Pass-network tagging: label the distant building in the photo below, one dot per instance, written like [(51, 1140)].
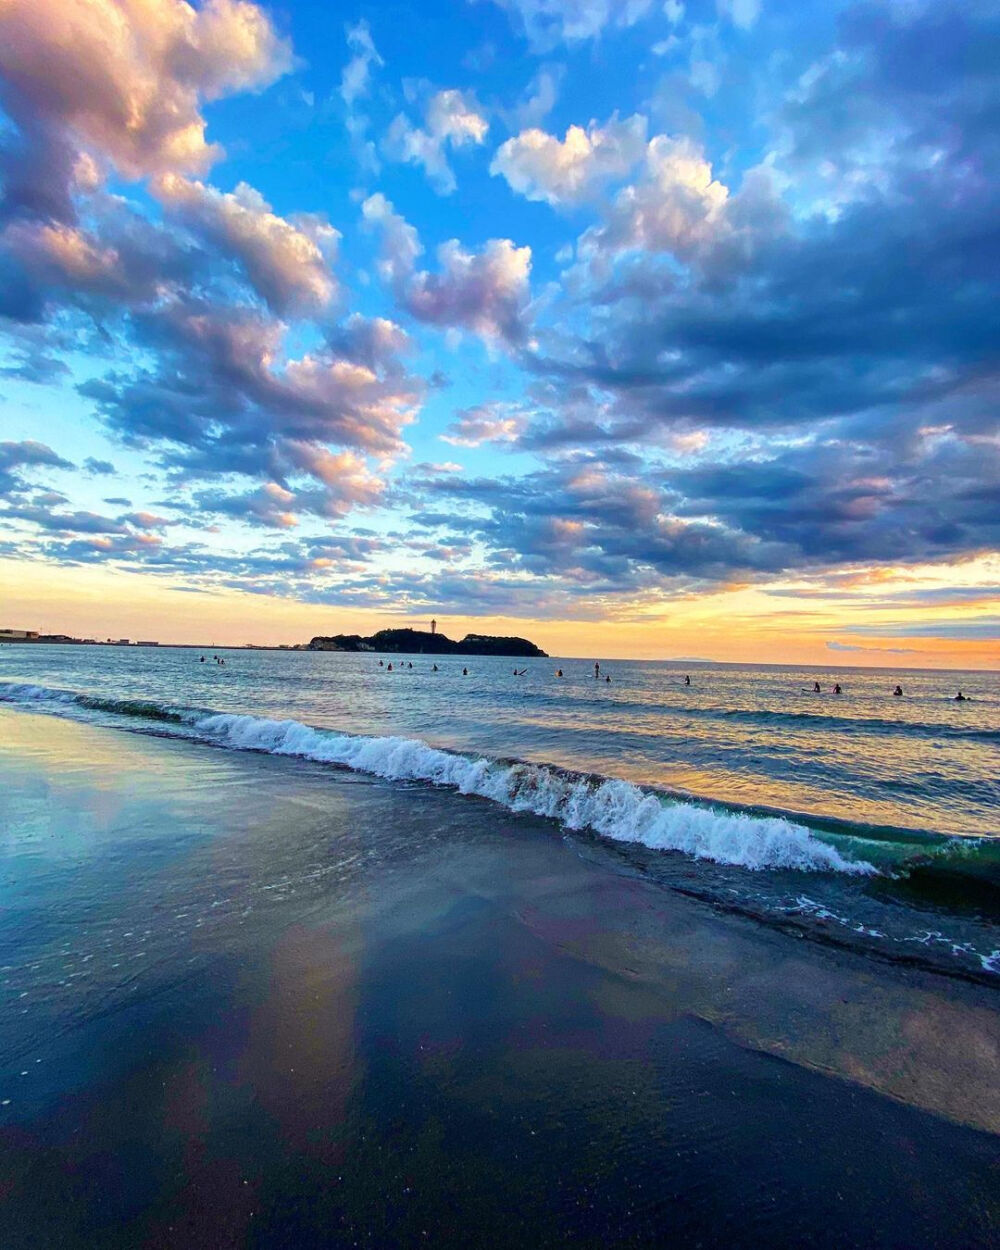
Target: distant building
[(122, 642), (18, 635), (147, 644)]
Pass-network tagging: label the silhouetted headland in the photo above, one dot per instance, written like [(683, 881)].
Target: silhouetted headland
[(417, 642)]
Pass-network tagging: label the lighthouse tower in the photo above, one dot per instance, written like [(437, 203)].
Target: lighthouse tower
[(434, 626)]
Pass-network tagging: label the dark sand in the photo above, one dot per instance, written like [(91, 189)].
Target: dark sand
[(255, 1002)]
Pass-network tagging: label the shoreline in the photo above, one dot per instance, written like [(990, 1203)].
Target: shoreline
[(764, 863), (335, 1010)]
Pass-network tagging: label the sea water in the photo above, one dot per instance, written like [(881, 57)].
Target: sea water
[(863, 818)]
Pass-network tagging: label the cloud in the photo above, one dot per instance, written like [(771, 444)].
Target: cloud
[(99, 468), (547, 23), (125, 81), (452, 120), (486, 292), (538, 99), (27, 454), (224, 397), (355, 86), (742, 13), (967, 629), (288, 260), (675, 206), (572, 171), (488, 423), (355, 81), (846, 646)]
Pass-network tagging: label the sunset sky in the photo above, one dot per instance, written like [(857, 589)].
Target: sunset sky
[(638, 328)]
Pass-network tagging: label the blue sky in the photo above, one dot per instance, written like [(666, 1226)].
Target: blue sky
[(525, 309)]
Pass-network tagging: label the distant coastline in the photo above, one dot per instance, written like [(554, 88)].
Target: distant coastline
[(390, 641)]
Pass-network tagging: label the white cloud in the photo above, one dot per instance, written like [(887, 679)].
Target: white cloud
[(674, 206), (547, 23), (126, 79), (487, 423), (571, 171), (355, 84), (355, 81), (485, 292), (451, 120), (742, 13)]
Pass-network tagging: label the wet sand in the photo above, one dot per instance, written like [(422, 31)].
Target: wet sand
[(250, 1001)]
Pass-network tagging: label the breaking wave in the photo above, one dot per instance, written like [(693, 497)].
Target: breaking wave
[(610, 807)]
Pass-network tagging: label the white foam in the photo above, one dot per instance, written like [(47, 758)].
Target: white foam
[(14, 692), (614, 809)]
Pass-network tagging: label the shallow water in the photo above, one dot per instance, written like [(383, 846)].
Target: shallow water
[(859, 818)]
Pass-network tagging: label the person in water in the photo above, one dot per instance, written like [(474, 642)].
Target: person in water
[(558, 672), (608, 680), (960, 698), (389, 669), (434, 668), (687, 680), (465, 672), (836, 689), (816, 689), (597, 670), (898, 691), (381, 663), (410, 665), (203, 659)]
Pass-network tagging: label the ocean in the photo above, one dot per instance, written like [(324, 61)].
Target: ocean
[(860, 819), (295, 951)]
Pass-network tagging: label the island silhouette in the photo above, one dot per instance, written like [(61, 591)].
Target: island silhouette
[(421, 642)]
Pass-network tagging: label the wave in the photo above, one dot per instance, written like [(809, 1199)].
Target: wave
[(610, 807)]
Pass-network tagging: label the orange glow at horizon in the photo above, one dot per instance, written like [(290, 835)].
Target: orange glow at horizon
[(739, 625)]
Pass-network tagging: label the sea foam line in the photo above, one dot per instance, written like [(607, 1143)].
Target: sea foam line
[(613, 808)]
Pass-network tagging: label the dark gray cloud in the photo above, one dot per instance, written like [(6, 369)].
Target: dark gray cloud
[(16, 457)]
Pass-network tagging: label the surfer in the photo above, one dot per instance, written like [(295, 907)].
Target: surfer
[(960, 698), (836, 689), (898, 691), (203, 659), (381, 663), (558, 672), (389, 669), (687, 680), (597, 670), (434, 668), (608, 680), (816, 689), (465, 672)]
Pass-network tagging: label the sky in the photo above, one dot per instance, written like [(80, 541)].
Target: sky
[(636, 328)]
